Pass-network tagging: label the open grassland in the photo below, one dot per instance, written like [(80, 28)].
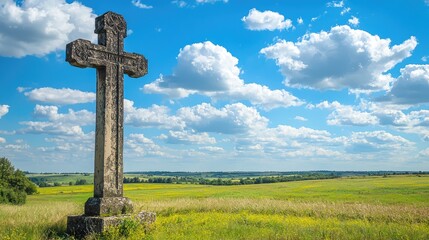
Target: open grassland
[(395, 207)]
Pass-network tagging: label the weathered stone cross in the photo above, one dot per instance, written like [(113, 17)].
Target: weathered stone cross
[(111, 62)]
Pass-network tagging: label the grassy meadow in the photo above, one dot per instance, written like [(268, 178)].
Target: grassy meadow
[(393, 207)]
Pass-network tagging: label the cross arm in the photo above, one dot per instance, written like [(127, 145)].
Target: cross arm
[(79, 53), (135, 65)]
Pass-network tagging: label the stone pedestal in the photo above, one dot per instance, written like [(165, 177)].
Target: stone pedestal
[(81, 225), (108, 206)]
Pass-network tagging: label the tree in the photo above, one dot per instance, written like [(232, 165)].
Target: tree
[(14, 185), (81, 182)]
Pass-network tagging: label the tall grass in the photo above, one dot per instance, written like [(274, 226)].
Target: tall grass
[(362, 208), (35, 221), (344, 211)]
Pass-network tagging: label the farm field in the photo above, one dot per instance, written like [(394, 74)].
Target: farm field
[(393, 207)]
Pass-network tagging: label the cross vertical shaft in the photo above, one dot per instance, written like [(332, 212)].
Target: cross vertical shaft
[(110, 117), (109, 132)]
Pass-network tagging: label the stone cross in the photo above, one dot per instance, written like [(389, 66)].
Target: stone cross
[(111, 62)]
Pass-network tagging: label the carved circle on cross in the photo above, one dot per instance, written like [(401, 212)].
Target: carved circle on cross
[(82, 52), (116, 23)]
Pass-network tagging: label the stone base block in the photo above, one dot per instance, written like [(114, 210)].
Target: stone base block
[(82, 225), (108, 206)]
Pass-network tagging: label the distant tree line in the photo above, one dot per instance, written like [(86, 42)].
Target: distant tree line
[(43, 182), (229, 181), (14, 185), (251, 174)]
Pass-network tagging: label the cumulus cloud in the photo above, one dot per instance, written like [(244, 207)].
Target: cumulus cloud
[(57, 123), (373, 114), (311, 152), (187, 137), (60, 96), (302, 133), (2, 140), (354, 21), (299, 118), (411, 87), (82, 117), (300, 20), (55, 128), (231, 119), (212, 149), (288, 141), (154, 116), (266, 20), (4, 109), (203, 67), (142, 145), (338, 59), (347, 115), (138, 4), (41, 27), (376, 141), (210, 70)]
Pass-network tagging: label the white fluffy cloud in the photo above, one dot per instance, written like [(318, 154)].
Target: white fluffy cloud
[(347, 115), (57, 123), (40, 27), (212, 149), (299, 118), (411, 87), (231, 119), (354, 21), (338, 59), (187, 137), (203, 67), (154, 116), (82, 117), (54, 128), (142, 145), (60, 96), (138, 4), (209, 69), (266, 20), (373, 114), (287, 141), (4, 109), (2, 140), (361, 142)]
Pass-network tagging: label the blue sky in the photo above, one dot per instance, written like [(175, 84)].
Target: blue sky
[(232, 85)]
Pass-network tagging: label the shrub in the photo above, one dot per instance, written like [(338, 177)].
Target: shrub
[(14, 185), (80, 182)]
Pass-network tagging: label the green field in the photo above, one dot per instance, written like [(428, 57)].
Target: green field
[(394, 207)]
